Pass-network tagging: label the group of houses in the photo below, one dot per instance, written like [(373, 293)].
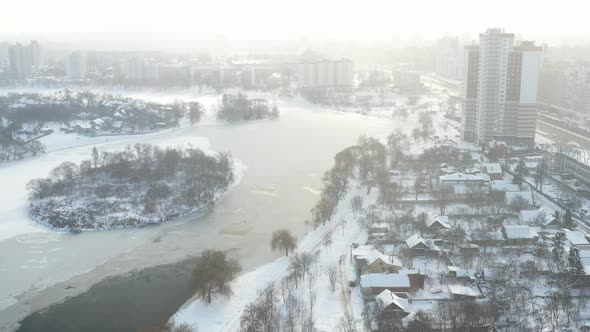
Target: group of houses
[(121, 117), (399, 288)]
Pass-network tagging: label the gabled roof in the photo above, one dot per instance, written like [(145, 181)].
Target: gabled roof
[(519, 232), (386, 298), (389, 260), (385, 280), (440, 222), (415, 240)]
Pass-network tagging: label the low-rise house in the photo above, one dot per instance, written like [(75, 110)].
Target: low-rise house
[(541, 217), (400, 283), (493, 170), (381, 263), (391, 306), (375, 283), (519, 234), (440, 223), (462, 183), (417, 243), (576, 239)]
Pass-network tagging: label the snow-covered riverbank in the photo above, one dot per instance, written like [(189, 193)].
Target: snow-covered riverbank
[(224, 313)]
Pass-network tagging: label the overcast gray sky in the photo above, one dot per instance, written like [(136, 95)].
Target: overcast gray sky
[(181, 20)]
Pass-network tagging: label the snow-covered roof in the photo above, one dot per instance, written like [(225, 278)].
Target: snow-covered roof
[(117, 124), (390, 260), (575, 237), (456, 177), (466, 274), (519, 232), (443, 221), (392, 280), (362, 251), (487, 236), (491, 168), (463, 290), (414, 240), (387, 298)]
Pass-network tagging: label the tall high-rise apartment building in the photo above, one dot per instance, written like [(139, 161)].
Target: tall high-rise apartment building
[(19, 62), (500, 89), (76, 65)]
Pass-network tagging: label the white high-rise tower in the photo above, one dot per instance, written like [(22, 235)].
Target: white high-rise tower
[(500, 89)]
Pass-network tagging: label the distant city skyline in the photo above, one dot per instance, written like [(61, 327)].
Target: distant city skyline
[(178, 24)]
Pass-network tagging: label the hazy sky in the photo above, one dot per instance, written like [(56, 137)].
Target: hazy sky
[(168, 21)]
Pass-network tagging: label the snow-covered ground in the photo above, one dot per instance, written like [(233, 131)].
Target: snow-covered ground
[(223, 314)]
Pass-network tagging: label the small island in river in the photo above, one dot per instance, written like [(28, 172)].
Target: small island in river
[(238, 108), (138, 186)]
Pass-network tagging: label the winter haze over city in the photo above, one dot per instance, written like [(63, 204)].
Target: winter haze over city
[(307, 166)]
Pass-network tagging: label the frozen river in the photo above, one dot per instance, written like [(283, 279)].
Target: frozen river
[(282, 162)]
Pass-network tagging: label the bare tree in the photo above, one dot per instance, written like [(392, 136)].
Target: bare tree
[(283, 240), (213, 274), (356, 204), (332, 273)]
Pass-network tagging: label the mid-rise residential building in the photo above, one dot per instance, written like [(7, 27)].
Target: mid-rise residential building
[(339, 73), (500, 89)]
